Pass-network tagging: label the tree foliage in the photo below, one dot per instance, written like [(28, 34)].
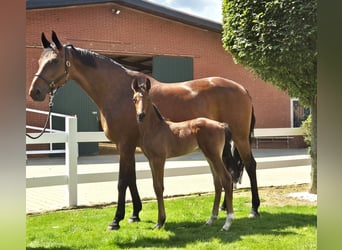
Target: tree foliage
[(306, 126), (277, 40)]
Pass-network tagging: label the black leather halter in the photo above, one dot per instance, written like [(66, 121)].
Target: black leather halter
[(52, 90), (52, 85)]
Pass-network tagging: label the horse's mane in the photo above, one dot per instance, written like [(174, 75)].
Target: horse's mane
[(158, 112), (90, 58)]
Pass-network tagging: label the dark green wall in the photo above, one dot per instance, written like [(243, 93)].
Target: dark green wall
[(172, 69), (71, 99)]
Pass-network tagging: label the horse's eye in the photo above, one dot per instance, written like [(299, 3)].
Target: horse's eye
[(134, 100)]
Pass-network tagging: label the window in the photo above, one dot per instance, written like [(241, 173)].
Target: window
[(299, 113)]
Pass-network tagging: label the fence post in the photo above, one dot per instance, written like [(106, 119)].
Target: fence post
[(71, 155)]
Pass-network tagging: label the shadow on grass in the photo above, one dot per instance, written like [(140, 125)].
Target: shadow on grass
[(182, 232), (48, 248)]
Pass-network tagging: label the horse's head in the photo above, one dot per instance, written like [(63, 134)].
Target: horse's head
[(141, 99), (53, 68)]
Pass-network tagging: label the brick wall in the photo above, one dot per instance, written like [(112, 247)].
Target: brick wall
[(136, 33)]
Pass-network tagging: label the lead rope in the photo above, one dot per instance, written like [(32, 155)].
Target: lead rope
[(47, 119)]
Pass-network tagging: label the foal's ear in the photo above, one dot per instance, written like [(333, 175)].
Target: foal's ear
[(141, 83), (58, 44), (135, 85), (45, 42), (148, 84)]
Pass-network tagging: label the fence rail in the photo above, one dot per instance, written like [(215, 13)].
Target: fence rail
[(71, 137), (49, 129)]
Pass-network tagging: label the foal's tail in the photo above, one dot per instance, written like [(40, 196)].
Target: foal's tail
[(229, 160)]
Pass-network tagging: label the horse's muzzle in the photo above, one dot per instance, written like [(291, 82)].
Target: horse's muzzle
[(37, 95), (140, 116)]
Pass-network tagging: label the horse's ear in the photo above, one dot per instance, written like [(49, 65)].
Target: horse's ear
[(58, 44), (45, 42), (148, 84)]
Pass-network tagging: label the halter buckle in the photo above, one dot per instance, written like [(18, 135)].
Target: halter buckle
[(52, 85)]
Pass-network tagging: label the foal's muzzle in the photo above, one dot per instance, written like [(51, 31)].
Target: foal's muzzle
[(140, 116)]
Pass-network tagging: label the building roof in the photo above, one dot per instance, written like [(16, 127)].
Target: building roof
[(141, 5)]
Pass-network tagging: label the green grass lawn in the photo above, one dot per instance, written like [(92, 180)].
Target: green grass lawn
[(279, 227)]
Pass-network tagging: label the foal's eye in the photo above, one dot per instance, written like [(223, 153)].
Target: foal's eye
[(134, 100), (54, 61)]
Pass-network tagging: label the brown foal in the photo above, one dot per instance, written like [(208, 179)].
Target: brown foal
[(162, 139)]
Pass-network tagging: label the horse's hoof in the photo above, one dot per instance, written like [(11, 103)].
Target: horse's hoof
[(253, 215), (133, 219), (157, 226), (113, 226)]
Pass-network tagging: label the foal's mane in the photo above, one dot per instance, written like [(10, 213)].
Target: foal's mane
[(158, 112)]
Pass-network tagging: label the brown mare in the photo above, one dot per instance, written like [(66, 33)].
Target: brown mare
[(161, 139), (109, 85)]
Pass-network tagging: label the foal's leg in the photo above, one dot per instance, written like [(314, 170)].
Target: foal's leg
[(127, 178), (157, 168), (218, 191), (227, 184)]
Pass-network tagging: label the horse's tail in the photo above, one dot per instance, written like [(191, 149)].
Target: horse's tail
[(236, 155), (251, 129)]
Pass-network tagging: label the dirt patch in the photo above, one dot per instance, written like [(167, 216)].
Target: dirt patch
[(278, 196)]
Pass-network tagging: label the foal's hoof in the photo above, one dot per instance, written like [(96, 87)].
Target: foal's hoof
[(225, 228), (113, 226), (211, 220), (133, 219)]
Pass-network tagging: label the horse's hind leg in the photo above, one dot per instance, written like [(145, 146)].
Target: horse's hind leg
[(250, 166)]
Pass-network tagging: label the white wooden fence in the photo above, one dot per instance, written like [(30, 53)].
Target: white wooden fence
[(71, 137)]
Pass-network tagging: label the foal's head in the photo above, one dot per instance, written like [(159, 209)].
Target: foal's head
[(141, 87)]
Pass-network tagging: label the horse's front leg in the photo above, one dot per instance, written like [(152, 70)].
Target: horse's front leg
[(157, 168), (132, 184), (127, 178)]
